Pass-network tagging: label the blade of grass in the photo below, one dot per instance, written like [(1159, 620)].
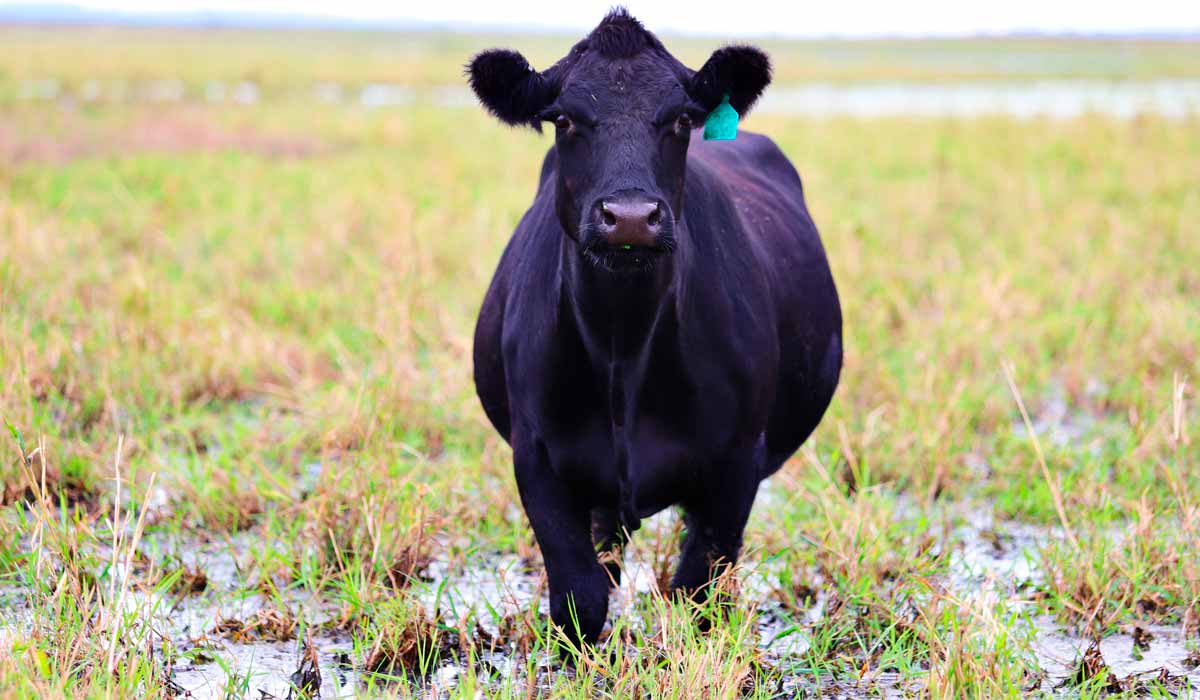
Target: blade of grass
[(1055, 493)]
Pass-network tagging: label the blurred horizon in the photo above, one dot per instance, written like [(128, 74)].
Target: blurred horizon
[(931, 19)]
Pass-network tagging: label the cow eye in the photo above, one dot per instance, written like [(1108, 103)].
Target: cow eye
[(683, 124), (562, 122)]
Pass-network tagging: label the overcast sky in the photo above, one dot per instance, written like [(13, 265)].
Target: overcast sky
[(739, 17)]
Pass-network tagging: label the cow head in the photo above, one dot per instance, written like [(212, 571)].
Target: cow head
[(623, 111)]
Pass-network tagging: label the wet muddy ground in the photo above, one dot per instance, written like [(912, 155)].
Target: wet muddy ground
[(229, 636)]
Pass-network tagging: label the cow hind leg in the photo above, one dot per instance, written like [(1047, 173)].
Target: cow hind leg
[(715, 515), (610, 538)]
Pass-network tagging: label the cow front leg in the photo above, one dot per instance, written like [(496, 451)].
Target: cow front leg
[(715, 515), (578, 584)]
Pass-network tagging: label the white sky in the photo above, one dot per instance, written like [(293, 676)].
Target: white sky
[(740, 17)]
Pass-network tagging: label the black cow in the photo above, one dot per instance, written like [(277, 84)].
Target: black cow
[(663, 328)]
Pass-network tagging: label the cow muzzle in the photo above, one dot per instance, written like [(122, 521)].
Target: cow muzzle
[(631, 222)]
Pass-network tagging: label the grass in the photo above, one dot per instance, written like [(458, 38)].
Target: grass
[(235, 346)]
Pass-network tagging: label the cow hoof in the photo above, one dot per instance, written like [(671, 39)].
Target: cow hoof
[(709, 604), (581, 611)]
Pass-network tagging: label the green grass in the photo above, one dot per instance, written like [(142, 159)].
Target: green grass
[(263, 314)]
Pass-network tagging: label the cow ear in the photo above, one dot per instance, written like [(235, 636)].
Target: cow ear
[(742, 72), (509, 87)]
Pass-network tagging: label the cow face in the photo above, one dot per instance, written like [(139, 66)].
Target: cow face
[(623, 111)]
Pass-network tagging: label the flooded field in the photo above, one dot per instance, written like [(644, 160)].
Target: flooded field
[(1058, 99), (242, 454)]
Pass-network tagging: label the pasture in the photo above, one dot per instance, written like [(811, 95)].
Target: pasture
[(243, 456)]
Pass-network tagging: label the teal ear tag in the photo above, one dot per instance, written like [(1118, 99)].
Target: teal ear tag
[(722, 122)]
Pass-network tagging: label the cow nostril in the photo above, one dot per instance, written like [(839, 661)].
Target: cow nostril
[(610, 219), (655, 216)]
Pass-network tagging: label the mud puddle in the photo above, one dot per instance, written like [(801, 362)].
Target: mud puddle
[(991, 555), (1142, 649), (268, 670)]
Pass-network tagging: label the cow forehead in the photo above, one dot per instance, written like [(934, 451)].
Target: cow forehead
[(635, 86)]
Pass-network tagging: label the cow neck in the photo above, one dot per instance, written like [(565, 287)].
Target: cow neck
[(617, 313)]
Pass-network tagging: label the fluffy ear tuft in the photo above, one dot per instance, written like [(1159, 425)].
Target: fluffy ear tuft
[(509, 87), (742, 72)]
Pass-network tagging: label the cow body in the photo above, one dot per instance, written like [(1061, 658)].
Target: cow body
[(703, 392), (628, 387)]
